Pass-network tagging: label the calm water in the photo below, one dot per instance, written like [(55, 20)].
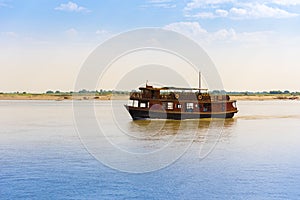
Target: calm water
[(256, 157)]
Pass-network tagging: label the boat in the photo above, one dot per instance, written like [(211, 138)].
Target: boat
[(179, 103)]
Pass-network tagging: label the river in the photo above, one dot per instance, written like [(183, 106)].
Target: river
[(255, 155)]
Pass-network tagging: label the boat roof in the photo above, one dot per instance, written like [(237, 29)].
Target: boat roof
[(170, 88)]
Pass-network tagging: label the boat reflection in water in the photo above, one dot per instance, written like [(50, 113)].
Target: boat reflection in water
[(159, 129)]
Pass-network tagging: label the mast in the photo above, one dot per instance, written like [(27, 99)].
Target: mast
[(199, 81)]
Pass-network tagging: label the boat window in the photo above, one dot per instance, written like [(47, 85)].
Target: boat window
[(206, 107), (170, 105), (143, 105), (167, 105), (178, 105), (164, 105), (189, 106), (130, 102), (135, 103), (234, 104)]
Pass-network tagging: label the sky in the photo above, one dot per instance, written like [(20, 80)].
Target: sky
[(255, 45)]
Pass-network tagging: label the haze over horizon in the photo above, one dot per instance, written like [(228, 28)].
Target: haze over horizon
[(254, 44)]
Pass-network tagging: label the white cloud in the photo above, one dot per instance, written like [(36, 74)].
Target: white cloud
[(101, 32), (204, 15), (224, 35), (259, 11), (72, 32), (221, 13), (165, 5), (286, 2), (192, 29), (4, 4), (71, 7), (240, 10), (159, 4), (10, 34), (102, 35), (196, 32), (194, 4), (159, 1), (210, 39)]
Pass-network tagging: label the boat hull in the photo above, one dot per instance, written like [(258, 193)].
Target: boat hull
[(137, 113)]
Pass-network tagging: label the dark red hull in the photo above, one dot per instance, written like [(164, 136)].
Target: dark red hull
[(140, 113)]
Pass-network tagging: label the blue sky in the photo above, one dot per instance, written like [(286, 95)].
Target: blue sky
[(254, 44)]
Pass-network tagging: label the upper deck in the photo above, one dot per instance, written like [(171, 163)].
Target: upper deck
[(176, 94)]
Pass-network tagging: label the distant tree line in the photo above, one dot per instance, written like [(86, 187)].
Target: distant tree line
[(84, 91), (108, 92), (264, 93)]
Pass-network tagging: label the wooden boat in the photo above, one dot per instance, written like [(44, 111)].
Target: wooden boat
[(179, 103)]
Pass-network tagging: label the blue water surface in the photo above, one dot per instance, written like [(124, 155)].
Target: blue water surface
[(257, 157)]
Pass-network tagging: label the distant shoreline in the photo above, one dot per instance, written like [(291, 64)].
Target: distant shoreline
[(264, 97), (61, 97)]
